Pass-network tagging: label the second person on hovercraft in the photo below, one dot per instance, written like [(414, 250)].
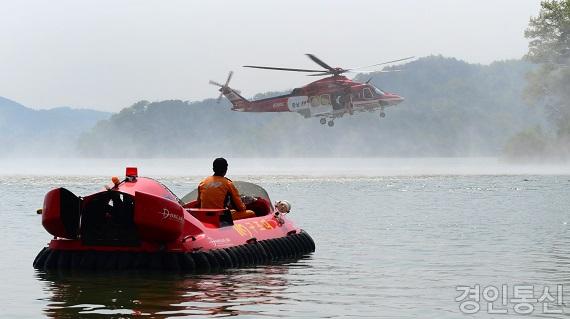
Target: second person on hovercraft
[(217, 191)]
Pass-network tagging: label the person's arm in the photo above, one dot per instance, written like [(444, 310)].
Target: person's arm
[(198, 199), (236, 200)]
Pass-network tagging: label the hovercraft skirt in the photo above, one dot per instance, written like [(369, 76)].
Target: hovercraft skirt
[(258, 253)]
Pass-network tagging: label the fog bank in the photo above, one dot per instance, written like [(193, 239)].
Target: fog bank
[(241, 167)]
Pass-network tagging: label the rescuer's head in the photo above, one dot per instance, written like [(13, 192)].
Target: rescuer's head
[(220, 166)]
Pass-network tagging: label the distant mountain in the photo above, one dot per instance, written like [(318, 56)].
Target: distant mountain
[(9, 104), (29, 132), (452, 108)]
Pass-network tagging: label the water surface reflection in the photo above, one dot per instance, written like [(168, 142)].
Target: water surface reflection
[(237, 292)]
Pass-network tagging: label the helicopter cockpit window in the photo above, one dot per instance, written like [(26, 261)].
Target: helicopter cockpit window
[(379, 91), (367, 93)]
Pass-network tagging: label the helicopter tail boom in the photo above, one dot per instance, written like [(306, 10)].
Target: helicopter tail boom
[(239, 103)]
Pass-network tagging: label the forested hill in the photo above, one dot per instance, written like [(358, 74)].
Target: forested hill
[(54, 132), (452, 108)]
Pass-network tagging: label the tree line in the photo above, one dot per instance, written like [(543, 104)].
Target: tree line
[(452, 108), (548, 85)]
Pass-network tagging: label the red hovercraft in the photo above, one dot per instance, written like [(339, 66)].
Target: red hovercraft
[(138, 223)]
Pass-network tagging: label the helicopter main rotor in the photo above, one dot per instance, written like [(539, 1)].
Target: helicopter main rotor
[(327, 69)]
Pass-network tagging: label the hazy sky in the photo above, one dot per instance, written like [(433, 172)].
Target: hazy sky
[(109, 54)]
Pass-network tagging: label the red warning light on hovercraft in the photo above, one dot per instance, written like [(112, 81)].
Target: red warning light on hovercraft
[(132, 172)]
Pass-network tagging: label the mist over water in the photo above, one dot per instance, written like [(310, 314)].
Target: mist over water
[(317, 166)]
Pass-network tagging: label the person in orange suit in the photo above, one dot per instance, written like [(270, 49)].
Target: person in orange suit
[(217, 191)]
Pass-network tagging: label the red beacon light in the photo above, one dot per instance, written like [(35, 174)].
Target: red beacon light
[(131, 173)]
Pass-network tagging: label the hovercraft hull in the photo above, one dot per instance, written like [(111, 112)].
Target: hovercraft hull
[(264, 252), (140, 225)]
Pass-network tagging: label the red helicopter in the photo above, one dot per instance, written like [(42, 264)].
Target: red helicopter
[(328, 98)]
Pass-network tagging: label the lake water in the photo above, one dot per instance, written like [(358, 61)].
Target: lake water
[(395, 238)]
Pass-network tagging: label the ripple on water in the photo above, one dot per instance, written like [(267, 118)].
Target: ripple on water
[(386, 247)]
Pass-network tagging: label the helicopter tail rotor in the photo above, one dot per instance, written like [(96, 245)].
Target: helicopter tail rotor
[(224, 88), (238, 101)]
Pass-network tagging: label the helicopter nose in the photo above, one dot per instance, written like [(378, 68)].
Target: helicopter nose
[(394, 99)]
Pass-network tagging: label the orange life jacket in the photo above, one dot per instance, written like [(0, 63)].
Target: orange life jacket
[(218, 192)]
